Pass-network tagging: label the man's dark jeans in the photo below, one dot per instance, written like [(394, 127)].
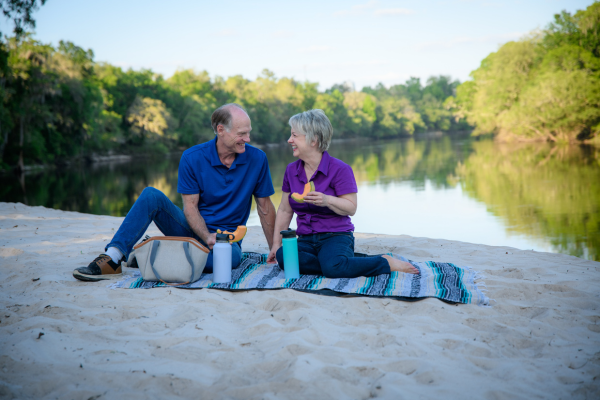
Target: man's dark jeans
[(153, 205), (332, 255)]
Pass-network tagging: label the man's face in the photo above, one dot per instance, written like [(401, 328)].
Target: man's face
[(235, 140)]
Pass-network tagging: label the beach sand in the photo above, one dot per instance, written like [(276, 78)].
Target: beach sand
[(539, 339)]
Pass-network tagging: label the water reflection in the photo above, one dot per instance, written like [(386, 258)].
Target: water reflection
[(540, 190), (528, 196), (102, 189)]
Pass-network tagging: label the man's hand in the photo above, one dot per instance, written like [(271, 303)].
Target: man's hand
[(211, 240), (271, 259)]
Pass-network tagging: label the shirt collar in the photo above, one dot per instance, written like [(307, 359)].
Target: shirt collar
[(215, 161), (323, 165), (212, 153)]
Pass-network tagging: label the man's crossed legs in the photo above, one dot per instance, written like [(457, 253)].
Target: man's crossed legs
[(151, 206)]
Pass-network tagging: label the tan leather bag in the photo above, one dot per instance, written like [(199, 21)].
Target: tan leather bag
[(171, 259)]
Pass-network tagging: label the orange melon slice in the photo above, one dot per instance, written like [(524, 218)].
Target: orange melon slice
[(238, 234), (309, 187)]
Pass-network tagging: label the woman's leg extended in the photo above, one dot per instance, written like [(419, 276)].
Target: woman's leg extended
[(307, 258), (336, 257), (152, 205)]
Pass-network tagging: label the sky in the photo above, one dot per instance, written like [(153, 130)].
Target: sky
[(365, 42)]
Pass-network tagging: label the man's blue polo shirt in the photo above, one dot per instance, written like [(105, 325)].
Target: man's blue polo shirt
[(225, 193)]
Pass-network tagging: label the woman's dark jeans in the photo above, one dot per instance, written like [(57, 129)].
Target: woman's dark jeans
[(154, 206), (332, 255)]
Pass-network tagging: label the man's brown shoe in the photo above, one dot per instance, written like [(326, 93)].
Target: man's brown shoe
[(100, 269)]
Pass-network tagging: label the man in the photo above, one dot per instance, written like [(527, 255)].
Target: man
[(217, 180)]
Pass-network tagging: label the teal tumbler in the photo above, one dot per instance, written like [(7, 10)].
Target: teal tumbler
[(290, 254)]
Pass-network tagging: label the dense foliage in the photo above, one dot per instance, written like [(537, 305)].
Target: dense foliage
[(546, 86), (58, 104)]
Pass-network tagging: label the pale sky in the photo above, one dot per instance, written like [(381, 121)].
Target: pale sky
[(329, 42)]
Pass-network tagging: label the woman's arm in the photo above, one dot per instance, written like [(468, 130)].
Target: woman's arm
[(282, 222), (345, 204)]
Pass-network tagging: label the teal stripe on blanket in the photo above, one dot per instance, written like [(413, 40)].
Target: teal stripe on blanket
[(444, 281)]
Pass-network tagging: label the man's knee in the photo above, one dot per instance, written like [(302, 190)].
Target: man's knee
[(150, 192), (151, 195)]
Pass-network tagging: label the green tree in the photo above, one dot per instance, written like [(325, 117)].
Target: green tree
[(332, 105), (545, 87), (149, 118), (20, 11), (31, 81), (192, 99)]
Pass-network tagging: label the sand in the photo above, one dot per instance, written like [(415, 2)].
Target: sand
[(539, 339)]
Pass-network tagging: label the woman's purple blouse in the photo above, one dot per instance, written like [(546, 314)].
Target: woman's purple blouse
[(333, 177)]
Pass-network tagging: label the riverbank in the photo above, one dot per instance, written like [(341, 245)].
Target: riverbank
[(540, 338)]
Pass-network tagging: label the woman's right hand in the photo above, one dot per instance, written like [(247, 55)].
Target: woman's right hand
[(271, 259)]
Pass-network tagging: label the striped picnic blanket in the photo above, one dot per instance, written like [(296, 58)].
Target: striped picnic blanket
[(445, 281)]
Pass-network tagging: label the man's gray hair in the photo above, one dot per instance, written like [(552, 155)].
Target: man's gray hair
[(315, 125), (222, 116)]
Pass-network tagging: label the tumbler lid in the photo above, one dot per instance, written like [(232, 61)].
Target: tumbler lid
[(224, 237), (288, 234)]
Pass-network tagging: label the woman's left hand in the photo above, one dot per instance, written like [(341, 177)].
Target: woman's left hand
[(317, 199)]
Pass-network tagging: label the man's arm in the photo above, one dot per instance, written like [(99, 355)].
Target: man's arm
[(266, 213), (195, 220)]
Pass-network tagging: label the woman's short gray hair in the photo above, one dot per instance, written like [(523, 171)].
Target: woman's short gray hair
[(315, 125)]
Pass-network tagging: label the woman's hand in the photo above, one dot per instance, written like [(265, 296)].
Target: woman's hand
[(282, 222), (271, 259), (343, 205), (317, 199)]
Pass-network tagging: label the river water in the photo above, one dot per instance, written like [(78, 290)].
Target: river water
[(529, 196)]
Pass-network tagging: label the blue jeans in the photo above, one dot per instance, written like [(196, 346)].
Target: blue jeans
[(332, 255), (153, 205)]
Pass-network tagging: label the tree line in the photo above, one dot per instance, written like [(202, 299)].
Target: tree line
[(58, 103), (543, 87)]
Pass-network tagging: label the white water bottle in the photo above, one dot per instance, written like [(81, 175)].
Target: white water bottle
[(222, 259)]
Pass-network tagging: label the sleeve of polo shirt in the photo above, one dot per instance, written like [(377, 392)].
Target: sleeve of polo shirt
[(187, 182), (344, 181), (264, 184), (286, 181)]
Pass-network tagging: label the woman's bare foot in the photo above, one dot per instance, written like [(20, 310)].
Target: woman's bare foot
[(400, 266)]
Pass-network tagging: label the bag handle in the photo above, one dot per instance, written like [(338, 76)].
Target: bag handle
[(186, 250)]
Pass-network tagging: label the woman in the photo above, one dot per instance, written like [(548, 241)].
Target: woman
[(325, 239)]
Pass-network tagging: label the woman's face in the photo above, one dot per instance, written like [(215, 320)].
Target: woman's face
[(300, 147)]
